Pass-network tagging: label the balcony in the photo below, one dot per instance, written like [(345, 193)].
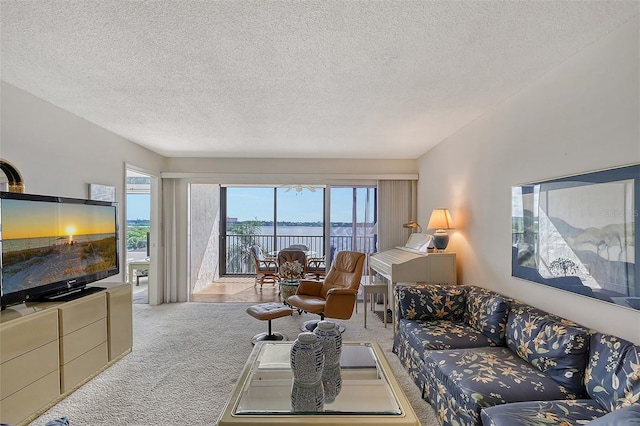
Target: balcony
[(238, 258)]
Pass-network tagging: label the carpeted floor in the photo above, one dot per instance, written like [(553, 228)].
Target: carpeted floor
[(186, 360)]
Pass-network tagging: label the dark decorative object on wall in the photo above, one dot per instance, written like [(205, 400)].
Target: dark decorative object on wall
[(578, 234), (13, 176)]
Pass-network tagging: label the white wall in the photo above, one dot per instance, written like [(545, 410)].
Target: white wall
[(59, 153), (581, 117)]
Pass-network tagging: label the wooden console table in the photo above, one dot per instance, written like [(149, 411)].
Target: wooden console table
[(50, 349)]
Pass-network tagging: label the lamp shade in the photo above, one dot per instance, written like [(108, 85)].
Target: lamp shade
[(440, 219)]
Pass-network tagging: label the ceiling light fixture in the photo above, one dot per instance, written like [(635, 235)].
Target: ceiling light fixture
[(299, 188)]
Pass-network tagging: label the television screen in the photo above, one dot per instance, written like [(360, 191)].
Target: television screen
[(53, 244)]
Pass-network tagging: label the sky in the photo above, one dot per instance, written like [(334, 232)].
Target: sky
[(138, 206), (257, 203), (32, 219), (305, 206)]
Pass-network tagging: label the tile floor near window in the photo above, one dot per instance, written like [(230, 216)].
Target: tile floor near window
[(228, 289), (237, 289)]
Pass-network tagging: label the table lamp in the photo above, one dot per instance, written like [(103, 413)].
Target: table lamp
[(440, 221)]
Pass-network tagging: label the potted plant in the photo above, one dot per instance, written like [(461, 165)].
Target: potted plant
[(290, 274)]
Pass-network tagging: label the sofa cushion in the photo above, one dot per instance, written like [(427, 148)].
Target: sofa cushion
[(519, 306), (559, 412), (430, 302), (557, 349), (487, 312), (433, 335), (483, 377), (613, 373), (627, 416)]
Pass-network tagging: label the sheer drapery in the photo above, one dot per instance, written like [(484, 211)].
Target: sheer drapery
[(396, 206), (169, 214)]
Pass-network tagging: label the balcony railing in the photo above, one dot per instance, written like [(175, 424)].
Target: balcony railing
[(239, 262)]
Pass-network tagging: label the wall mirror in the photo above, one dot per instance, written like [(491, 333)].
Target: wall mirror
[(578, 234), (10, 178)]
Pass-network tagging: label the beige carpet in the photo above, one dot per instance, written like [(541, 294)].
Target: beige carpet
[(186, 360)]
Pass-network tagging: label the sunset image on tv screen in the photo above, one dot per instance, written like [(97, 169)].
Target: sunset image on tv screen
[(44, 242)]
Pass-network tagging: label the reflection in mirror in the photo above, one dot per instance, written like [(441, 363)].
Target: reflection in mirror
[(579, 234)]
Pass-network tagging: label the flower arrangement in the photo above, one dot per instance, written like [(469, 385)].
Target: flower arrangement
[(291, 270)]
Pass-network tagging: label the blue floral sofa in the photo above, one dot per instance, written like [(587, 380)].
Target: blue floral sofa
[(481, 358)]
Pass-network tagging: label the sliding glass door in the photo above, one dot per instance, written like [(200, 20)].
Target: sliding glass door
[(247, 219), (277, 217), (300, 219), (353, 219), (272, 218)]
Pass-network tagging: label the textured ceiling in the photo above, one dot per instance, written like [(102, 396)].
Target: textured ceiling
[(299, 79)]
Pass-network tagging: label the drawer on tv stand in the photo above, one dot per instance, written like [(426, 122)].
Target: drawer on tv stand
[(81, 312)]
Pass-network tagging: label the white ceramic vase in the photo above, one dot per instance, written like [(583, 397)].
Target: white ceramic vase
[(307, 364), (331, 338), (307, 397), (331, 382), (307, 358)]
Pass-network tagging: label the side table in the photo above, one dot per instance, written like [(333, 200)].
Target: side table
[(369, 289), (137, 265)]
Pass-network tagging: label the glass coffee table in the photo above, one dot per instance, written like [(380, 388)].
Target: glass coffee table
[(370, 394)]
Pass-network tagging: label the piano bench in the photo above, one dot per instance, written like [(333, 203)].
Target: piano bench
[(368, 290)]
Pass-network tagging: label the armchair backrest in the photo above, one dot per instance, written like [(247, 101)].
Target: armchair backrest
[(256, 253), (288, 255), (346, 272)]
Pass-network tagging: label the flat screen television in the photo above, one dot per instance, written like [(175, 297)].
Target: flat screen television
[(52, 246)]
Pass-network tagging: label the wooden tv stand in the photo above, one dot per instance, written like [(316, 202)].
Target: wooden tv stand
[(50, 349)]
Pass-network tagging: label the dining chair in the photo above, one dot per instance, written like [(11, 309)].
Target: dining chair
[(266, 268), (289, 255)]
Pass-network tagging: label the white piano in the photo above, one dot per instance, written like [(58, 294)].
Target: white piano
[(412, 264)]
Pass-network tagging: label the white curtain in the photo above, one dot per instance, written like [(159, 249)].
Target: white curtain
[(396, 206), (169, 214)]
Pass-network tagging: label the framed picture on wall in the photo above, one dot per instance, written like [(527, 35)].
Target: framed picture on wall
[(102, 192), (578, 234)]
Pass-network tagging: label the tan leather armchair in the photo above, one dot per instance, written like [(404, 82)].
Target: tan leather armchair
[(335, 297)]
